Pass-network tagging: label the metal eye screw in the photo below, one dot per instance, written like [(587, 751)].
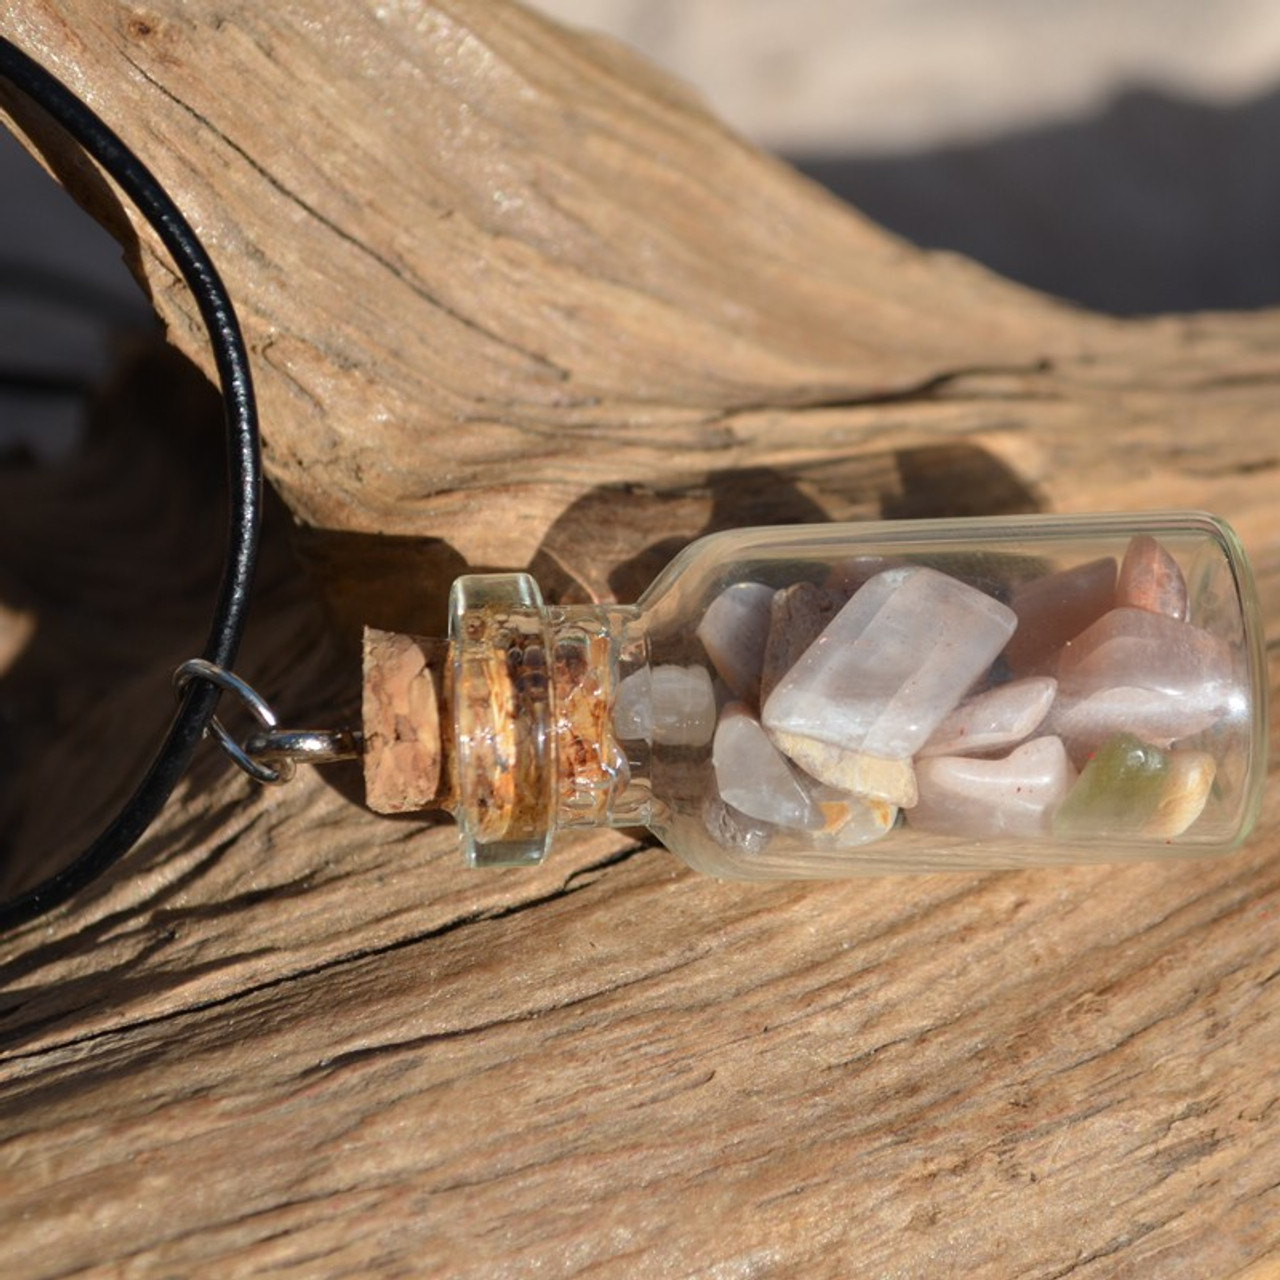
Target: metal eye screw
[(270, 755)]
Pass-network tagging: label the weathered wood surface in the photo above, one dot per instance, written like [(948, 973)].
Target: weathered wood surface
[(513, 296)]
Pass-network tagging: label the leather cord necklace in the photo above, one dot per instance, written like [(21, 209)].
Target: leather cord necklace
[(199, 698)]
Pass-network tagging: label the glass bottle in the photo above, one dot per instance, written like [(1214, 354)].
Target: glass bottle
[(820, 701)]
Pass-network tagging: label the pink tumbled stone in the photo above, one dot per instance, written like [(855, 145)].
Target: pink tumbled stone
[(1053, 609), (980, 799), (1143, 650), (998, 718), (1084, 723), (1150, 579), (1142, 673)]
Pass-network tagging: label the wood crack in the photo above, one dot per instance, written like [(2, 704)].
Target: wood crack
[(1113, 1247), (397, 272), (528, 1014), (581, 878), (927, 389)]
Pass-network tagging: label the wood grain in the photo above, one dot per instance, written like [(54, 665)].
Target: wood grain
[(513, 299)]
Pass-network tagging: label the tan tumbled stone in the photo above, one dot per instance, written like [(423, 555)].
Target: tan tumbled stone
[(1187, 785), (877, 777)]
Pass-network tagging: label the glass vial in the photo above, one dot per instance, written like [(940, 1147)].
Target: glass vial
[(828, 700)]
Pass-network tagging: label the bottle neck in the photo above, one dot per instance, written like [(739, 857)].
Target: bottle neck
[(598, 784), (532, 692)]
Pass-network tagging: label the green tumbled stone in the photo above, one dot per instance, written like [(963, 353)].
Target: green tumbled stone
[(1117, 792)]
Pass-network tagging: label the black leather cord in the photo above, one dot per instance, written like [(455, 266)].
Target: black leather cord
[(200, 700)]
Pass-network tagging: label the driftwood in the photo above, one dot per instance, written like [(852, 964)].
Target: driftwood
[(514, 299)]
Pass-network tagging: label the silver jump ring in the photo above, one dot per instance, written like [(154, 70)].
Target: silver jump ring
[(200, 669), (307, 746)]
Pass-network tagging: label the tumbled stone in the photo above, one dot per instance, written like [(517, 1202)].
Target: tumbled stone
[(849, 821), (1127, 642), (998, 718), (1186, 792), (1118, 792), (1012, 796), (733, 830), (1053, 609), (1133, 789), (668, 705), (888, 668), (1150, 579), (875, 777), (844, 577), (1133, 648), (797, 617), (734, 631), (1085, 722), (753, 776)]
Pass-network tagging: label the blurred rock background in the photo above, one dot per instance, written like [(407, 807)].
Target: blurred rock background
[(1119, 153)]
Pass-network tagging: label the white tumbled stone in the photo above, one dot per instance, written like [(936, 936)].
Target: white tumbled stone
[(892, 663), (995, 719), (733, 830), (753, 776), (734, 631), (668, 705), (976, 798)]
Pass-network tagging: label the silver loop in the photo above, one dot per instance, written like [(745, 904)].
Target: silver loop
[(200, 669)]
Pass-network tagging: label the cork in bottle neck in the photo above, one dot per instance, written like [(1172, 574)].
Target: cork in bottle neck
[(509, 723)]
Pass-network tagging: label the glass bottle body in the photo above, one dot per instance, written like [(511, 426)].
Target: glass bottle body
[(922, 695)]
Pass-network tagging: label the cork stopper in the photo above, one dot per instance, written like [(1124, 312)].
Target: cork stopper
[(405, 743)]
